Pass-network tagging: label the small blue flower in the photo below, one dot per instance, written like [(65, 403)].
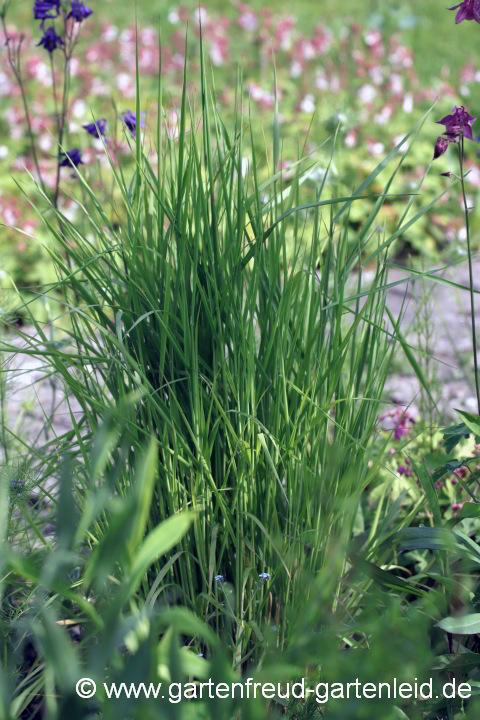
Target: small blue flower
[(219, 578), (97, 128), (264, 577), (79, 12), (199, 655), (130, 120), (72, 157), (50, 40), (17, 484)]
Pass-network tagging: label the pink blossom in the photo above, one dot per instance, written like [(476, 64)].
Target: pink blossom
[(307, 104), (148, 37), (248, 19), (396, 84), (402, 56), (321, 80), (322, 39), (372, 38), (467, 73), (200, 16), (351, 138), (264, 98), (6, 85), (367, 93), (109, 33), (283, 32), (10, 216), (384, 115), (29, 227), (335, 84), (376, 73), (287, 174), (127, 35), (408, 103), (219, 50)]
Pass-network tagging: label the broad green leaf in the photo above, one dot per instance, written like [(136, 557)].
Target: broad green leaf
[(57, 649), (384, 578), (469, 510), (462, 625), (144, 483), (427, 483), (471, 421), (157, 543)]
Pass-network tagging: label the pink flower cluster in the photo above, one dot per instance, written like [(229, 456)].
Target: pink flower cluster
[(399, 421)]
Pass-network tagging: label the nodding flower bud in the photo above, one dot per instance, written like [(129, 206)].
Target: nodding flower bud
[(440, 147)]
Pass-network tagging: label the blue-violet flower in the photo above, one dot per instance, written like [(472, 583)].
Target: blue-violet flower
[(71, 157), (79, 12), (130, 120), (43, 8), (97, 128), (458, 123), (467, 10), (50, 40)]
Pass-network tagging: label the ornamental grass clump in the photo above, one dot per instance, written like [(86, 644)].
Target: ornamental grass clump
[(262, 369)]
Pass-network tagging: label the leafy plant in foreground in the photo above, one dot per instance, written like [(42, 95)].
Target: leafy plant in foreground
[(73, 612)]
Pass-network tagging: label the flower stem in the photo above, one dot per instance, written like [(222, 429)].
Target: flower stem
[(470, 270), (14, 62)]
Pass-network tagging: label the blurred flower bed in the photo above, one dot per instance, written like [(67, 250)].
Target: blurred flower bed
[(361, 77)]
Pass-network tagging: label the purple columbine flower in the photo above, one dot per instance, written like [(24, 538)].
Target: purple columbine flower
[(467, 10), (50, 40), (458, 123), (79, 12), (72, 157), (130, 120), (42, 10), (97, 128)]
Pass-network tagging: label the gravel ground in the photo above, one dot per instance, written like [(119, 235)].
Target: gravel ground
[(450, 344)]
